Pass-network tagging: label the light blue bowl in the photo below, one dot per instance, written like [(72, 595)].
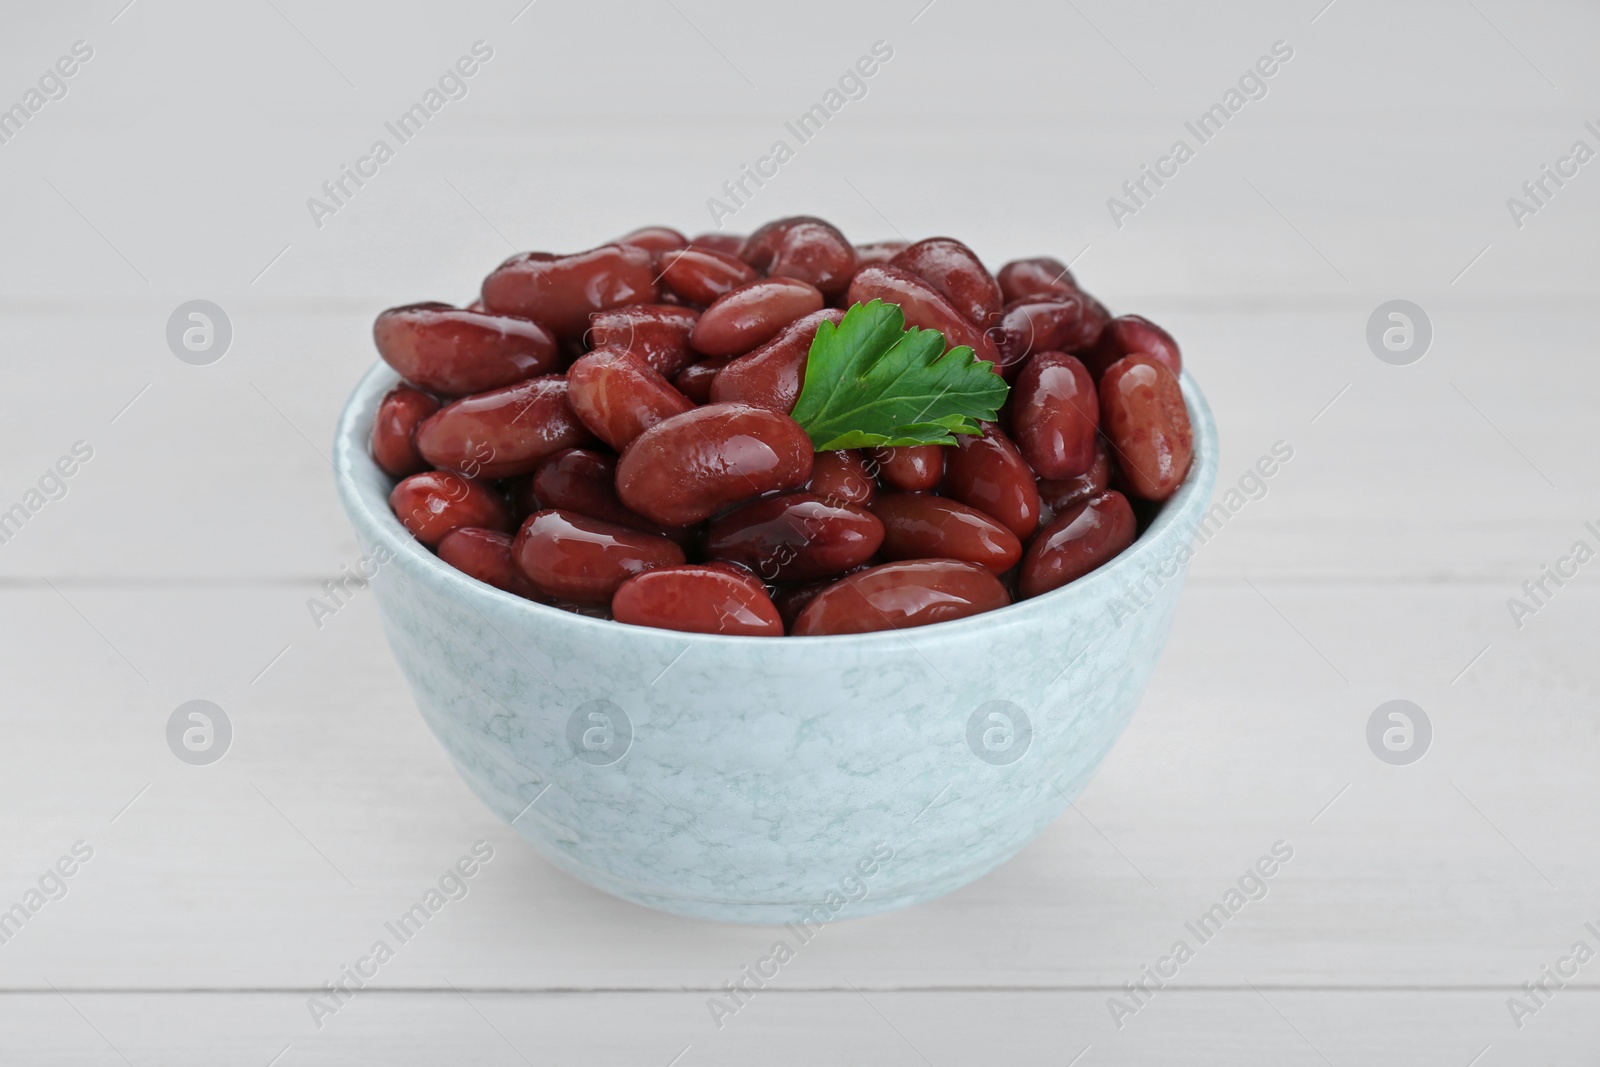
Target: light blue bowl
[(772, 780)]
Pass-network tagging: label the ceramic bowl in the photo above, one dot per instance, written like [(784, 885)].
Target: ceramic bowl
[(773, 780)]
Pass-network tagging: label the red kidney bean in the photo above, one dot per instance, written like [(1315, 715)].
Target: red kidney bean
[(988, 473), (791, 598), (1039, 276), (1127, 334), (795, 536), (718, 242), (394, 446), (924, 526), (803, 248), (563, 291), (895, 596), (694, 381), (747, 317), (619, 396), (880, 252), (1043, 324), (690, 466), (571, 557), (771, 376), (433, 503), (654, 239), (922, 305), (842, 477), (700, 598), (1147, 425), (700, 275), (958, 274), (486, 555), (1054, 415), (1066, 493), (503, 432), (658, 333), (1076, 542), (910, 468), (585, 482), (454, 352)]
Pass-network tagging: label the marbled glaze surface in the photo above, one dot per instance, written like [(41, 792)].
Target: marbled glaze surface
[(762, 779)]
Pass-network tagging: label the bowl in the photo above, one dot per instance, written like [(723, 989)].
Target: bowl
[(772, 780)]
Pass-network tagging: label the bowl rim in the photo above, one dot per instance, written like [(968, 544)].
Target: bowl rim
[(355, 474)]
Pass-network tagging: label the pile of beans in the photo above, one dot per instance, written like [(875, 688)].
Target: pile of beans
[(608, 432)]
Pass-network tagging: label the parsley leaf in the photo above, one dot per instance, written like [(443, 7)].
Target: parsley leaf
[(870, 381)]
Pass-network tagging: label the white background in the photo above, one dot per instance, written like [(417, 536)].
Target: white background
[(1377, 566)]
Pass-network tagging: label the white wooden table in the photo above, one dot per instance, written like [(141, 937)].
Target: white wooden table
[(1377, 565)]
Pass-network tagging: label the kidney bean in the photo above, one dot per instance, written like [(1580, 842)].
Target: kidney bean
[(747, 317), (958, 274), (654, 239), (585, 482), (694, 381), (922, 305), (924, 526), (572, 557), (1127, 334), (433, 503), (895, 596), (910, 468), (842, 477), (1060, 495), (1043, 324), (700, 275), (791, 598), (795, 536), (1147, 425), (454, 352), (1054, 415), (880, 252), (658, 333), (701, 598), (718, 242), (771, 376), (690, 466), (1076, 542), (803, 248), (486, 555), (503, 432), (988, 473), (394, 446), (563, 291), (618, 396), (1039, 276)]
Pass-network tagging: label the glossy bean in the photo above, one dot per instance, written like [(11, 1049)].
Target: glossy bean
[(989, 473), (1038, 276), (1054, 415), (923, 306), (795, 536), (1126, 335), (1147, 425), (563, 291), (842, 477), (924, 526), (690, 466), (718, 242), (1042, 324), (574, 558), (695, 380), (1061, 495), (654, 239), (910, 468), (701, 598), (895, 596), (394, 445), (745, 318), (584, 481), (880, 252), (700, 275), (1076, 542), (486, 555), (658, 333), (433, 503), (454, 352), (804, 248), (503, 432), (771, 376), (958, 274), (619, 396)]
